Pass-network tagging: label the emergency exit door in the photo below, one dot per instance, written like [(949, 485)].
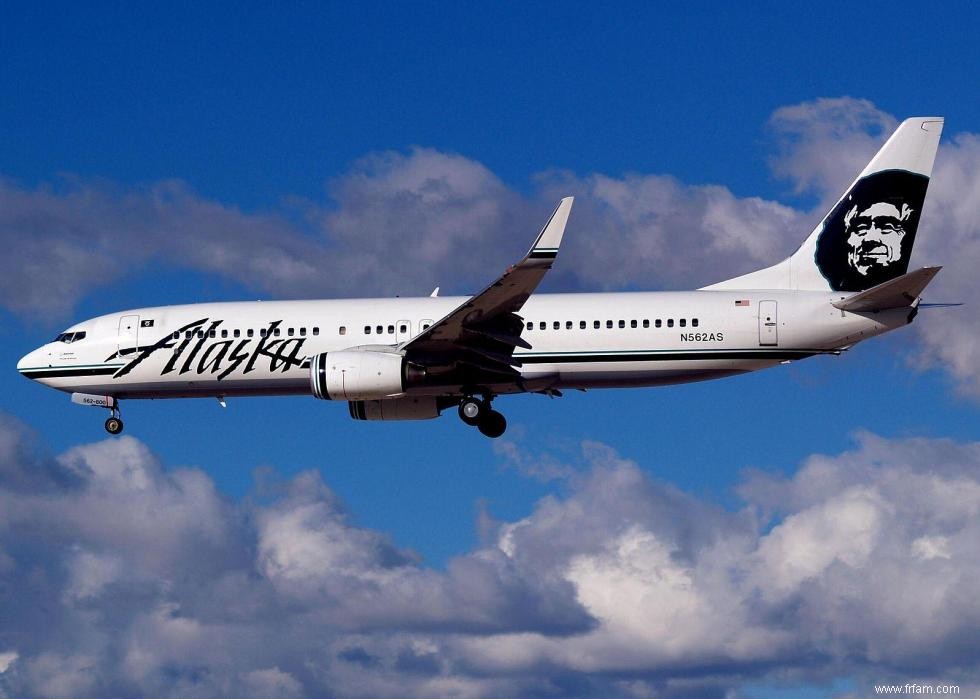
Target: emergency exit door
[(768, 324)]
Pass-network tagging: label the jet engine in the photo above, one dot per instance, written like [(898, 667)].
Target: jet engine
[(361, 374), (404, 408)]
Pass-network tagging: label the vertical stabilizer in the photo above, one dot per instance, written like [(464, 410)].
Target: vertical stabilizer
[(866, 238)]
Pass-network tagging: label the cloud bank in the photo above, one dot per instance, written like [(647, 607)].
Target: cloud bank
[(121, 577), (403, 223)]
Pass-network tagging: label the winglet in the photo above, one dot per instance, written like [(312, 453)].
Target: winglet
[(546, 246)]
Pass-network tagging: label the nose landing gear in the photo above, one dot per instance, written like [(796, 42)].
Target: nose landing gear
[(478, 413), (114, 425)]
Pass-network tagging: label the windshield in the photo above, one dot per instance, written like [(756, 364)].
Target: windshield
[(68, 338)]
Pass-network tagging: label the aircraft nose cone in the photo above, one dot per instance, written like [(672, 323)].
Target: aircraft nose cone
[(27, 361)]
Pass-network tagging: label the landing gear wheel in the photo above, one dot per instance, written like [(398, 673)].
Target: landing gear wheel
[(492, 424), (113, 425), (471, 409)]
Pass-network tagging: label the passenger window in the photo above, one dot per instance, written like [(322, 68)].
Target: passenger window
[(289, 332), (670, 322), (391, 329), (316, 330), (262, 332), (608, 324), (632, 323), (277, 332), (581, 325), (694, 322), (250, 332), (212, 333), (659, 323), (403, 328), (425, 326), (177, 335), (596, 324), (237, 333), (682, 322), (379, 329), (343, 330), (568, 325), (224, 333), (557, 325), (530, 326), (622, 323), (367, 329), (542, 325), (302, 332)]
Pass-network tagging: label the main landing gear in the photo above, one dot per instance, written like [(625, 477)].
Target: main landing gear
[(114, 425), (479, 413)]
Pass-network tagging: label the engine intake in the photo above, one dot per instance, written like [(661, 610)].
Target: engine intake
[(357, 375)]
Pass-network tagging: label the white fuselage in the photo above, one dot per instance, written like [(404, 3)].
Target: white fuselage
[(578, 341)]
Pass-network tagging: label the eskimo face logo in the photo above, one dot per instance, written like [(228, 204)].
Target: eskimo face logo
[(867, 238), (875, 235)]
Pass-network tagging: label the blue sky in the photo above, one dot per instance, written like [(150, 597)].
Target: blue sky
[(160, 156)]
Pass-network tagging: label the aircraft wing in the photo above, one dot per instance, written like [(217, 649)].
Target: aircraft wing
[(483, 332)]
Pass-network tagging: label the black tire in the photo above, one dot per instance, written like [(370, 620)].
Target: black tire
[(469, 404), (113, 425), (492, 424)]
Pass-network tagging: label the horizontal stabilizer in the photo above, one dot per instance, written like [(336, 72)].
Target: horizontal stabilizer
[(900, 292)]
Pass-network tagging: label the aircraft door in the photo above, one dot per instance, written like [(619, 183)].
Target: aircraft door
[(129, 333), (768, 328), (403, 331)]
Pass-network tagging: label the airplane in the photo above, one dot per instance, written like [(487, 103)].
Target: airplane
[(413, 358)]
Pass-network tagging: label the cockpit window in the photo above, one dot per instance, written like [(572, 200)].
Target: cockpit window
[(68, 338)]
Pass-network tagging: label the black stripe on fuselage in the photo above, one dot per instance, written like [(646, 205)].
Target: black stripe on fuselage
[(57, 372)]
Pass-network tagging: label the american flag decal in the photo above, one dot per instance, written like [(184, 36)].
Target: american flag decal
[(741, 302)]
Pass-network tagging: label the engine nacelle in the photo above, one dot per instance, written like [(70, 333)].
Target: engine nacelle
[(404, 408), (357, 375)]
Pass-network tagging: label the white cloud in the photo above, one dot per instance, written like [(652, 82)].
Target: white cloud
[(130, 579), (842, 529), (271, 683), (823, 144), (55, 676), (7, 659)]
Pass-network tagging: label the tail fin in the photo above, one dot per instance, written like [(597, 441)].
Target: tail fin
[(866, 238)]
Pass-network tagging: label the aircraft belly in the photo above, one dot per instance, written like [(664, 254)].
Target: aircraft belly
[(659, 377), (157, 387), (640, 373)]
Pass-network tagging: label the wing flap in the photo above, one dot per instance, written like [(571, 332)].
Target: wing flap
[(501, 337)]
